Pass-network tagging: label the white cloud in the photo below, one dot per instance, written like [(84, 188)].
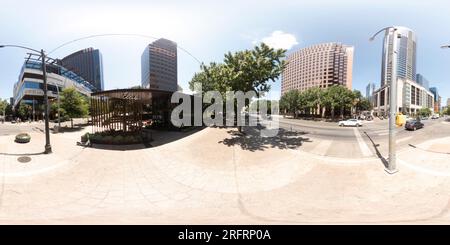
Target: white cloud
[(279, 39)]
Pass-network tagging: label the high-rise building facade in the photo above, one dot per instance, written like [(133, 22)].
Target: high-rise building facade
[(159, 66), (411, 97), (406, 44), (29, 88), (88, 64), (321, 65), (420, 79), (370, 88), (437, 98)]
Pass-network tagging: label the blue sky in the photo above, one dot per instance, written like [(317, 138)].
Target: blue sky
[(208, 29)]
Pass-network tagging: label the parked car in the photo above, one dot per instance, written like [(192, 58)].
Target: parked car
[(424, 118), (413, 125), (350, 122), (435, 116)]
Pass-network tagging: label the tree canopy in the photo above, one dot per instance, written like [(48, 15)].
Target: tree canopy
[(3, 106), (318, 101), (74, 104), (24, 110), (424, 112), (247, 70)]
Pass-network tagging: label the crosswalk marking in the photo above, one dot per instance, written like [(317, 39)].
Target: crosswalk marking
[(403, 139), (362, 144), (322, 147)]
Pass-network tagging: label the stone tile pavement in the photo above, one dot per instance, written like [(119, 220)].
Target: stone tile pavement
[(213, 176)]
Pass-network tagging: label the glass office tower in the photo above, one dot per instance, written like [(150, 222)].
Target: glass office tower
[(406, 55), (88, 64), (159, 66)]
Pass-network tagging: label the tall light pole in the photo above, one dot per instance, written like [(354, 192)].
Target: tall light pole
[(392, 163), (48, 147)]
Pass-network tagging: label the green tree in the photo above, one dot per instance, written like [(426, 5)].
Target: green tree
[(290, 102), (255, 107), (54, 110), (24, 110), (247, 70), (364, 105), (339, 97), (424, 112), (74, 104), (3, 106), (360, 103), (313, 98), (446, 111), (9, 110)]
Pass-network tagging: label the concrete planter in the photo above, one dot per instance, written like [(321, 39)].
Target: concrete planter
[(23, 138)]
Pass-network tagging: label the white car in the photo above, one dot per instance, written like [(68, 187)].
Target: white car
[(350, 122), (435, 116)]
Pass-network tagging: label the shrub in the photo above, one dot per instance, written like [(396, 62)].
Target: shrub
[(118, 140), (95, 138), (117, 137), (128, 139), (108, 139)]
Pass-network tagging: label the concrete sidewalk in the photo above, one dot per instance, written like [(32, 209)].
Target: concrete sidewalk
[(215, 176)]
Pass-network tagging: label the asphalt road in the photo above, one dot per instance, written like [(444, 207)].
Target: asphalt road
[(374, 135)]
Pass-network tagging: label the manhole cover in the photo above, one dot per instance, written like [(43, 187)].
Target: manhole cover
[(24, 159)]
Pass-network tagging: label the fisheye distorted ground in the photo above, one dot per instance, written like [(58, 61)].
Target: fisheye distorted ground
[(215, 176)]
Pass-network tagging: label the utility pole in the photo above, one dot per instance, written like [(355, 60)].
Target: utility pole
[(48, 147), (392, 166), (392, 86)]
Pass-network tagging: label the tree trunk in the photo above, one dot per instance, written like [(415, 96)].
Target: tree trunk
[(71, 122)]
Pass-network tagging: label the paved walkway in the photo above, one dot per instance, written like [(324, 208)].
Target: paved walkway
[(215, 176)]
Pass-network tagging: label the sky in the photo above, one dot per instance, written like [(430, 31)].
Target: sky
[(208, 29)]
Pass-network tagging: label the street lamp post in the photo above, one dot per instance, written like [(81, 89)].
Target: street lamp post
[(48, 147), (392, 163)]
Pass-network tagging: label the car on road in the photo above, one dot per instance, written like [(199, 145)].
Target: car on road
[(350, 122), (435, 116), (413, 125), (424, 118)]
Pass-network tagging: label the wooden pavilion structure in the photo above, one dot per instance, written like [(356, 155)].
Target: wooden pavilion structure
[(129, 109)]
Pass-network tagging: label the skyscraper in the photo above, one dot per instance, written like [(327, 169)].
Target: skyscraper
[(370, 88), (88, 64), (321, 65), (420, 79), (406, 55), (159, 66)]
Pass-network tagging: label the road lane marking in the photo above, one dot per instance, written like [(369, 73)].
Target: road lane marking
[(362, 144), (322, 147), (404, 139)]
